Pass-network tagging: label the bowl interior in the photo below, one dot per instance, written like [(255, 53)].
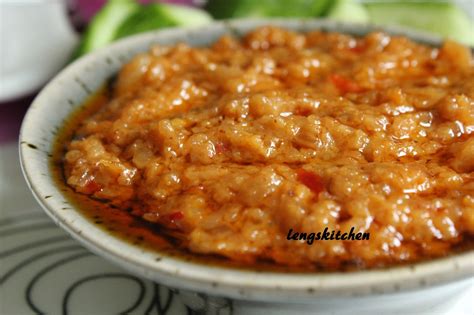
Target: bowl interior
[(71, 88)]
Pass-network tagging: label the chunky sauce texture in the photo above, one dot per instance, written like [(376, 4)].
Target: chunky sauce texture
[(220, 151)]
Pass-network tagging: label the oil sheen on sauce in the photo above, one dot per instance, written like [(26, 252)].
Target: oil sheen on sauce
[(151, 237)]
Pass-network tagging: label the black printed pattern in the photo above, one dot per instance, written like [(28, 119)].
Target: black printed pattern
[(34, 256)]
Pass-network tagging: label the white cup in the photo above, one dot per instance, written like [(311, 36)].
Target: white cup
[(36, 41)]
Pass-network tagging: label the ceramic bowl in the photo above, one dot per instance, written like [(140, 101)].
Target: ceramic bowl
[(422, 286)]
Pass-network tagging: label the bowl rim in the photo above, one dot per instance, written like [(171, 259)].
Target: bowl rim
[(217, 280)]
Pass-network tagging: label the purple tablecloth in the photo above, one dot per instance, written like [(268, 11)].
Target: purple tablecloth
[(11, 115)]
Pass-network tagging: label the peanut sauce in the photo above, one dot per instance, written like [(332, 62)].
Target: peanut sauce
[(216, 153)]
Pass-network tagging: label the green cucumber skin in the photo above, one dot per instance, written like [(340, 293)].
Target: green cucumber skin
[(443, 18), (121, 18), (103, 26), (155, 16), (187, 16), (349, 11), (224, 9)]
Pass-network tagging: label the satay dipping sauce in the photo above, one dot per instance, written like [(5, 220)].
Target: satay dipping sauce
[(219, 152)]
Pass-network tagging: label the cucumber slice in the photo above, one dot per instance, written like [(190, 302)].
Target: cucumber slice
[(155, 16), (103, 26), (221, 9), (443, 18), (348, 11)]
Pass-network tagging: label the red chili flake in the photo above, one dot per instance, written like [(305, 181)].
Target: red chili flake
[(345, 85), (175, 216), (91, 187), (221, 147), (303, 111), (358, 49), (311, 180)]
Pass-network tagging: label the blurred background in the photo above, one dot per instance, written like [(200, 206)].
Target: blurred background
[(39, 37)]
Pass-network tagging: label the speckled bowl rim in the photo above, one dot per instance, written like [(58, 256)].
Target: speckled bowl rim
[(69, 89)]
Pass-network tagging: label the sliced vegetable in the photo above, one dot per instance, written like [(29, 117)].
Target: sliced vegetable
[(439, 17), (104, 25), (224, 9), (348, 11), (156, 15)]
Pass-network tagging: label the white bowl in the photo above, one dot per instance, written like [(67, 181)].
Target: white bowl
[(435, 281)]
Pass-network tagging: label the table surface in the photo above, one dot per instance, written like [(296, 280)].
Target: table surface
[(43, 270)]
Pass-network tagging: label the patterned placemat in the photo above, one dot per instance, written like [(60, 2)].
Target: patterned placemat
[(44, 271)]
